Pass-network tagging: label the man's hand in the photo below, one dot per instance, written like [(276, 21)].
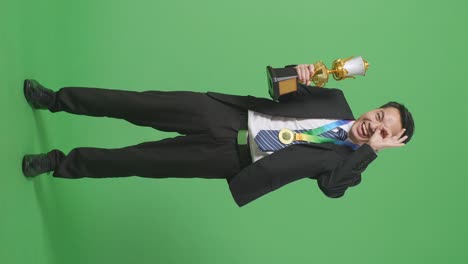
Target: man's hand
[(382, 138), (305, 72)]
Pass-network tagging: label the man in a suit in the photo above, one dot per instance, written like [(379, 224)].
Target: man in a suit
[(228, 136)]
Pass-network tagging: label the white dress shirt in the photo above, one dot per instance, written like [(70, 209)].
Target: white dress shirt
[(259, 121)]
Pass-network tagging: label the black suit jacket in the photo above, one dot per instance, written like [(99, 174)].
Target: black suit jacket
[(335, 167)]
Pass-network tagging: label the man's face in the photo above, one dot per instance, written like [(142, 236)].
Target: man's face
[(364, 127)]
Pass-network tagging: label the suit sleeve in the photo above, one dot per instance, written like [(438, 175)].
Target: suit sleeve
[(347, 172), (333, 172), (275, 171)]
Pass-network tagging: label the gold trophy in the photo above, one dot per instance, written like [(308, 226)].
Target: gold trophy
[(285, 80)]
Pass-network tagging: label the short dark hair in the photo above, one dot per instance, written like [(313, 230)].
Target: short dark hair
[(406, 118)]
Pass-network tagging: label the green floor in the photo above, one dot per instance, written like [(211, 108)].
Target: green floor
[(410, 207)]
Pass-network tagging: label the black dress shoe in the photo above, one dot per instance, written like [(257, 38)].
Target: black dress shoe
[(36, 164), (38, 96)]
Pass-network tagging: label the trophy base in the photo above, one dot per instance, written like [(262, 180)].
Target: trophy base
[(281, 81)]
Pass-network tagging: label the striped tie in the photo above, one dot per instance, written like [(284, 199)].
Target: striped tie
[(267, 140)]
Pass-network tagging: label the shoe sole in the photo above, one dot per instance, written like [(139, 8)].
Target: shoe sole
[(23, 166), (26, 85)]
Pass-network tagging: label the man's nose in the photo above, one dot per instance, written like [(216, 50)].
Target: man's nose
[(374, 125)]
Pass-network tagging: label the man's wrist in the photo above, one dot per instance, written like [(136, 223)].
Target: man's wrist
[(373, 147)]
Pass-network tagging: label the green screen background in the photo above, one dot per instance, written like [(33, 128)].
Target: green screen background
[(409, 208)]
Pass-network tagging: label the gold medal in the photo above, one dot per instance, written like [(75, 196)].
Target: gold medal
[(286, 136)]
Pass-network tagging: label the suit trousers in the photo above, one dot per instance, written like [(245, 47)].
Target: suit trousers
[(207, 147)]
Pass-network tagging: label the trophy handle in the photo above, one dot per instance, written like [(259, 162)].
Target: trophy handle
[(342, 78)]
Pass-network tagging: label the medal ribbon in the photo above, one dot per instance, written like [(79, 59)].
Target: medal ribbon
[(311, 135)]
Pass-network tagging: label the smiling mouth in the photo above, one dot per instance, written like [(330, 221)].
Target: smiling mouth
[(363, 131)]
